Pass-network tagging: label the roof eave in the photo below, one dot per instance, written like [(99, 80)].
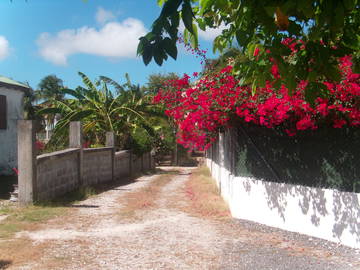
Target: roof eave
[(15, 87)]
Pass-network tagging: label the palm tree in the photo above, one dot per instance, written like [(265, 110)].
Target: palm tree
[(49, 88)]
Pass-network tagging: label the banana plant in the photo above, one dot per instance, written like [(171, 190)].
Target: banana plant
[(125, 112)]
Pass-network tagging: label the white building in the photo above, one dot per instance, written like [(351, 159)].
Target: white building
[(11, 110)]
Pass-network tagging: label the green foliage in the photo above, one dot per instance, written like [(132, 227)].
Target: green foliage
[(127, 113), (157, 82), (50, 87), (263, 24)]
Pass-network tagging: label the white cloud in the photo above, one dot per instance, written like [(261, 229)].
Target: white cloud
[(209, 35), (4, 48), (103, 16), (113, 40)]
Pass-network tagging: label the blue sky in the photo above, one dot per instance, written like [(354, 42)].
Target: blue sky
[(97, 37)]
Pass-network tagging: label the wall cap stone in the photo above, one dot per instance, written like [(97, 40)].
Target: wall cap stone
[(57, 153), (100, 149)]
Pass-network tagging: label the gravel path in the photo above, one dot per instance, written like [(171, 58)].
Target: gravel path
[(93, 237)]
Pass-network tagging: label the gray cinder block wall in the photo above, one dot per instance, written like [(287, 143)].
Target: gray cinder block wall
[(51, 175)]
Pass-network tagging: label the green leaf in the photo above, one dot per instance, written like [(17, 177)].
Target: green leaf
[(80, 115), (314, 90), (187, 16), (140, 48), (261, 80), (150, 37), (253, 88), (270, 11), (349, 4), (194, 38), (73, 93), (49, 111), (204, 5), (294, 29), (312, 75), (147, 54), (333, 73), (170, 7), (201, 24), (339, 17), (170, 47), (87, 81), (159, 53), (242, 38), (161, 2), (290, 83), (307, 9)]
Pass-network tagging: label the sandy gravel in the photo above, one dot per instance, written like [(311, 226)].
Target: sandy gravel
[(94, 237)]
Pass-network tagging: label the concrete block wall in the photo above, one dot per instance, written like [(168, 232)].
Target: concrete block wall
[(146, 160), (97, 165), (122, 164), (136, 164), (48, 176), (324, 213), (57, 173)]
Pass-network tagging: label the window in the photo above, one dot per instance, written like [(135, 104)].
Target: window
[(3, 114)]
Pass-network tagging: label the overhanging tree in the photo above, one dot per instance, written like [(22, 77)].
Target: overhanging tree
[(324, 30)]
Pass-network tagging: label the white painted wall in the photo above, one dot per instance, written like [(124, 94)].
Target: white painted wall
[(322, 213), (8, 137)]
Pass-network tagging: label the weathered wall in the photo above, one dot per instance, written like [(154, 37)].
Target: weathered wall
[(48, 176), (122, 164), (136, 165), (329, 214), (8, 137), (97, 165), (57, 173), (146, 165)]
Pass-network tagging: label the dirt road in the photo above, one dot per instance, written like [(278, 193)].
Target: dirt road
[(104, 232)]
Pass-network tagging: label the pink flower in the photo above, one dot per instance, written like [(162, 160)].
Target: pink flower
[(16, 171), (305, 123), (339, 123), (256, 51), (290, 132)]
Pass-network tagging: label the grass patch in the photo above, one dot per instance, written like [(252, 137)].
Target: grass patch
[(145, 197), (203, 195), (25, 218), (28, 217)]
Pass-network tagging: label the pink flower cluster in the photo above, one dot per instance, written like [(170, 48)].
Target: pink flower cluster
[(201, 109)]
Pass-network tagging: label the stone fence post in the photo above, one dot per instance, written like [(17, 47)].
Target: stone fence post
[(26, 161), (76, 141), (110, 142)]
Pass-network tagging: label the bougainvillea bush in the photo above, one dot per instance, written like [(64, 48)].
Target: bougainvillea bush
[(214, 101)]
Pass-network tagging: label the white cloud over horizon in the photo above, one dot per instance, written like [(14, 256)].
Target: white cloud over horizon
[(4, 48), (103, 16), (113, 40), (209, 35)]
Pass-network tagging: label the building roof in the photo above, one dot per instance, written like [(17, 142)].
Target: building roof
[(7, 82)]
